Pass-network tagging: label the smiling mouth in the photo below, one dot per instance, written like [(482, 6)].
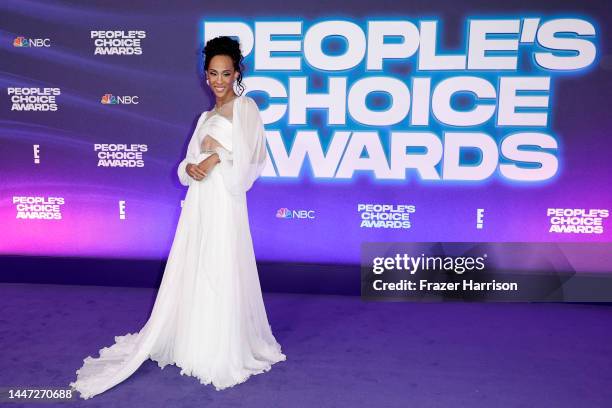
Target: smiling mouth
[(219, 88)]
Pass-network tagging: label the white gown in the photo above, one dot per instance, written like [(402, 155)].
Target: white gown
[(209, 317)]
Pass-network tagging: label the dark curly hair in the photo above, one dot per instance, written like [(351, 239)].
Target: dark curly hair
[(224, 45)]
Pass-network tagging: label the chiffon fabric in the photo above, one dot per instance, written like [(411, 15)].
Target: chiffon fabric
[(209, 317)]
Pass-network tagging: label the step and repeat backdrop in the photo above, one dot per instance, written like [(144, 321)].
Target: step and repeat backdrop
[(472, 122)]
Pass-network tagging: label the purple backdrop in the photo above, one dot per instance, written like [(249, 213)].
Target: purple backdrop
[(165, 79)]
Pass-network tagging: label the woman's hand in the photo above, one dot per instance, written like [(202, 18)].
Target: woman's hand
[(203, 168), (195, 172)]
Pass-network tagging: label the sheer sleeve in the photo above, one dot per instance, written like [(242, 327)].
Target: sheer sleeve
[(244, 164), (193, 151)]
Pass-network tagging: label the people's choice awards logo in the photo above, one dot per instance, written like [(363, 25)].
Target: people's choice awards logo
[(577, 220), (120, 154), (492, 98), (38, 208), (385, 215), (118, 42), (33, 99)]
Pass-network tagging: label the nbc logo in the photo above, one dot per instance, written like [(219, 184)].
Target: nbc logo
[(23, 42), (110, 99), (291, 214)]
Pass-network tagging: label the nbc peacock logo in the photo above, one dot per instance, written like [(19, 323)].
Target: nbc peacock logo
[(109, 99), (20, 42), (283, 213)]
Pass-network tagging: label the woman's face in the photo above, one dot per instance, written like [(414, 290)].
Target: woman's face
[(221, 75)]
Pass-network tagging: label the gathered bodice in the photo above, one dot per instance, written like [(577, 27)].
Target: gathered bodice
[(219, 128)]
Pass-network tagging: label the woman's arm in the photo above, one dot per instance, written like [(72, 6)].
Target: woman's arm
[(245, 163), (192, 154)]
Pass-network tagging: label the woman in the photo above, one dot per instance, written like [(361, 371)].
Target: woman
[(208, 318)]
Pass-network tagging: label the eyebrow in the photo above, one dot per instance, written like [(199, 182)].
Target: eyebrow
[(226, 70)]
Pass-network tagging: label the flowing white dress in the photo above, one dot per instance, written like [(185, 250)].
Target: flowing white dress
[(209, 317)]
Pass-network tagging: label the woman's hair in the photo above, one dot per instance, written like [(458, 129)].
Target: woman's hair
[(224, 45)]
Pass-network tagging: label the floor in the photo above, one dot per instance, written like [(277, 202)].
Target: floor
[(341, 352)]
